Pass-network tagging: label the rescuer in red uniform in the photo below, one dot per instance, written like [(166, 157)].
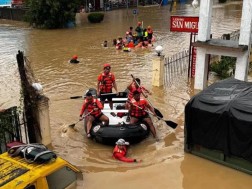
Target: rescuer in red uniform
[(93, 107), (106, 81), (120, 151)]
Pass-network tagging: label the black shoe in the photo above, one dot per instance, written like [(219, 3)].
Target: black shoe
[(113, 114)]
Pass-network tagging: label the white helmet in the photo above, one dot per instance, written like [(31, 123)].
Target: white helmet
[(122, 142)]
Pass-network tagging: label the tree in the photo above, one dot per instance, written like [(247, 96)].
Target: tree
[(51, 14)]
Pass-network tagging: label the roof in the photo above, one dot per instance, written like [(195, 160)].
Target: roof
[(16, 171)]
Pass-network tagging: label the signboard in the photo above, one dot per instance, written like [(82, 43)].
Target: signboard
[(194, 53), (184, 24)]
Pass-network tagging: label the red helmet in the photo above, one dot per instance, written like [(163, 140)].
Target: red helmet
[(106, 65), (75, 57)]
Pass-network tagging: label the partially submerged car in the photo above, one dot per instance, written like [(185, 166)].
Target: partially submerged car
[(36, 167)]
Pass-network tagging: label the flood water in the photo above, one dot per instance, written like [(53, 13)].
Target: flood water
[(165, 165)]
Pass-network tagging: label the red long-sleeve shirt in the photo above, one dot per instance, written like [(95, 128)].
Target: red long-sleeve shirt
[(120, 154)]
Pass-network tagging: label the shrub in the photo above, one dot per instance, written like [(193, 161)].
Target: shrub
[(225, 67), (95, 17), (51, 14)]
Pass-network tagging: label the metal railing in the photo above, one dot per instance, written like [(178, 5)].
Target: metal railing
[(10, 128), (175, 66)]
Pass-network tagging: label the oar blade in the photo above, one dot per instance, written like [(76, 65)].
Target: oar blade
[(72, 125), (75, 97), (171, 124), (158, 113)]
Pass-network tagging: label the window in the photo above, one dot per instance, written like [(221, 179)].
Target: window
[(30, 187), (61, 178)]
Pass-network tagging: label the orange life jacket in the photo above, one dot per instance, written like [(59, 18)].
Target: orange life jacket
[(132, 89), (137, 112), (91, 106), (106, 83), (131, 44)]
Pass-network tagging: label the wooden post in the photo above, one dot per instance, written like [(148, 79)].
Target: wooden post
[(31, 122), (158, 71)]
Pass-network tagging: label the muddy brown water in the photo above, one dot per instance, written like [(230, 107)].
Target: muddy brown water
[(165, 165)]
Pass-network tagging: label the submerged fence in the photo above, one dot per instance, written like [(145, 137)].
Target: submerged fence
[(176, 65)]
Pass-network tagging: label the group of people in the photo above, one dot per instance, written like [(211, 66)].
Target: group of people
[(137, 107), (139, 38)]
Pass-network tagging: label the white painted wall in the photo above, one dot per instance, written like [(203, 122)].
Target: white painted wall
[(242, 63)]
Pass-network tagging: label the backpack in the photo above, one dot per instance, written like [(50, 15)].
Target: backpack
[(33, 153)]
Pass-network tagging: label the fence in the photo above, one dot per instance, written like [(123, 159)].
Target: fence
[(10, 128), (176, 65)]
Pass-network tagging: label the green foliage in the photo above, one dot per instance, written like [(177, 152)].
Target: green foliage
[(8, 124), (223, 67), (222, 1), (51, 14), (95, 17)]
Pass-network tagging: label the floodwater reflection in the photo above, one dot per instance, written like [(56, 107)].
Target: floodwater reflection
[(201, 173)]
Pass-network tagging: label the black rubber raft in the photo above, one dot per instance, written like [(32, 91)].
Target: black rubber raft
[(119, 128)]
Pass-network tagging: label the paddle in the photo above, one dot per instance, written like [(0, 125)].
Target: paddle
[(72, 125), (75, 97), (108, 94), (158, 113), (168, 122)]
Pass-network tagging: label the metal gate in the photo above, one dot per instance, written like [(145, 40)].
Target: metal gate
[(175, 66), (10, 128)]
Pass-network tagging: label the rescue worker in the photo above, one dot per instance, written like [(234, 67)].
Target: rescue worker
[(133, 86), (120, 152), (131, 44), (131, 31), (105, 44), (136, 85), (150, 32), (138, 111), (106, 81), (139, 31), (74, 59), (93, 107), (145, 35)]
